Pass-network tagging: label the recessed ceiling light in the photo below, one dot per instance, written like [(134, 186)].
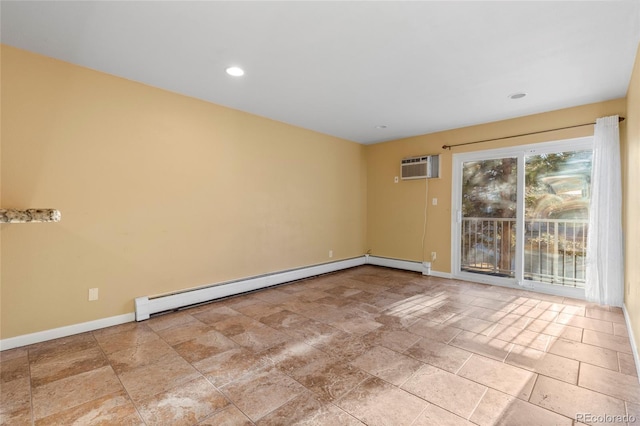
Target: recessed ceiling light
[(235, 71), (519, 95), (382, 126)]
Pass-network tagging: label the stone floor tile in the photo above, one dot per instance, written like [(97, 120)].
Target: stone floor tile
[(65, 345), (140, 355), (185, 404), (148, 380), (53, 397), (394, 339), (521, 337), (307, 409), (627, 364), (482, 345), (609, 382), (110, 409), (15, 396), (169, 320), (10, 354), (329, 379), (46, 370), (375, 402), (387, 365), (259, 338), (556, 330), (438, 354), (204, 346), (16, 368), (586, 323), (129, 338), (291, 355), (182, 332), (229, 366), (446, 390), (511, 380), (573, 401), (434, 330), (544, 363), (434, 415), (606, 340), (257, 395), (368, 345), (499, 409), (584, 353), (474, 325), (229, 416), (617, 317)]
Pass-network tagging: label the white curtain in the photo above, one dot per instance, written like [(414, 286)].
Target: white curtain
[(605, 274)]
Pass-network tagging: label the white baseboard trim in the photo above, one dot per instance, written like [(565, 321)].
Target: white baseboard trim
[(56, 333), (632, 339), (145, 306), (407, 265), (228, 289), (441, 274), (387, 262)]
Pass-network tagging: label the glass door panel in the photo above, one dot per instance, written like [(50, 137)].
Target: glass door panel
[(488, 217), (521, 215), (557, 193)]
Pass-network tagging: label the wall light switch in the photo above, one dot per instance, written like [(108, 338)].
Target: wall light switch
[(434, 201), (395, 179)]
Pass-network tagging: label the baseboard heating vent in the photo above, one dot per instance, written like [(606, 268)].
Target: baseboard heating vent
[(148, 305)]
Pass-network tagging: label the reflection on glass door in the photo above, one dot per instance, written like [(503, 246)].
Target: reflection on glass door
[(557, 193), (488, 223), (522, 215)]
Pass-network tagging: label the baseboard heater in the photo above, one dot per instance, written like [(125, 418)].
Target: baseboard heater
[(148, 305)]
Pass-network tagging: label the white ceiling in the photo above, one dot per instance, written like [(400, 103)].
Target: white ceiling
[(343, 68)]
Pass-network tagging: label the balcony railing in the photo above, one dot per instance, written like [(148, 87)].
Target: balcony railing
[(554, 249)]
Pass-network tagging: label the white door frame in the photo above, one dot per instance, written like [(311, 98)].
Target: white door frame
[(519, 152)]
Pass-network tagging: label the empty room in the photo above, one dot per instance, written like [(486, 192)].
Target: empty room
[(319, 213)]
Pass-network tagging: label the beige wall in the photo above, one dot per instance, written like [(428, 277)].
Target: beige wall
[(631, 195), (158, 192), (0, 190), (396, 211), (161, 192)]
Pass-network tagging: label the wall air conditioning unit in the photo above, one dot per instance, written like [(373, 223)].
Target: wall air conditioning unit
[(423, 167)]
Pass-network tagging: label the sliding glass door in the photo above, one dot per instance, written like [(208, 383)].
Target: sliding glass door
[(557, 188), (488, 223), (521, 215)]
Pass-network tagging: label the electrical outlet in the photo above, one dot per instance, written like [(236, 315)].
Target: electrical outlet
[(93, 294), (433, 256), (330, 253)]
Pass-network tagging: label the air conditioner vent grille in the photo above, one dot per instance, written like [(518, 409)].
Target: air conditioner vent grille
[(423, 167)]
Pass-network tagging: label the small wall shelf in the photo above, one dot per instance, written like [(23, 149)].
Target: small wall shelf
[(29, 215)]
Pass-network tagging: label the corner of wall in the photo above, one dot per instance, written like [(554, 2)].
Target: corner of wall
[(631, 217)]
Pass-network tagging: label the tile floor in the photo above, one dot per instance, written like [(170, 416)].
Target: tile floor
[(367, 345)]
